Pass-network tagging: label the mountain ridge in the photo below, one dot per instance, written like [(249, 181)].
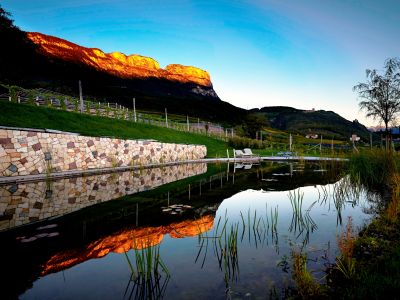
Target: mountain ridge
[(117, 63)]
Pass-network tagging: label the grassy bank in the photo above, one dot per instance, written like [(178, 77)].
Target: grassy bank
[(369, 265), (21, 115)]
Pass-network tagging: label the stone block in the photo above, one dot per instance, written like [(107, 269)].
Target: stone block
[(15, 155), (36, 147), (47, 156), (12, 168), (5, 159), (4, 141)]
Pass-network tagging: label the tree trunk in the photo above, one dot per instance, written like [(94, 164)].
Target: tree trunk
[(386, 137)]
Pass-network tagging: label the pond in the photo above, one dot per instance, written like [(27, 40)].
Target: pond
[(196, 231)]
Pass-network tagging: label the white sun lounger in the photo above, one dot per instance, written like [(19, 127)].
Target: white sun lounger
[(239, 153), (248, 152)]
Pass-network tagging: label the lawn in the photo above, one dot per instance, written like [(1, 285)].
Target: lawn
[(23, 115)]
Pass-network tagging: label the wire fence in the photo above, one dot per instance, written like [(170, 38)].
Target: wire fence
[(44, 97)]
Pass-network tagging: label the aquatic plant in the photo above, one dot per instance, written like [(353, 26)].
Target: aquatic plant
[(301, 222), (373, 168), (146, 279), (306, 285), (114, 162), (345, 263)]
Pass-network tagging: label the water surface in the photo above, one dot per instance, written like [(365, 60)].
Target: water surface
[(220, 231)]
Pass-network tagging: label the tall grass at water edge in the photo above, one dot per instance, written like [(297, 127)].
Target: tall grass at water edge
[(369, 263), (374, 168)]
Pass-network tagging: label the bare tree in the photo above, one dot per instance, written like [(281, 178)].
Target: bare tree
[(380, 95)]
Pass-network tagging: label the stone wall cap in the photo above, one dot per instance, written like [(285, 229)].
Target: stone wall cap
[(22, 129), (60, 132), (46, 130), (146, 140)]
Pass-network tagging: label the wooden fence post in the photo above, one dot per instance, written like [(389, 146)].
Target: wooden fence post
[(134, 110), (80, 97), (320, 145)]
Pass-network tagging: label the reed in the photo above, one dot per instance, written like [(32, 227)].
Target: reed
[(149, 275), (302, 222), (225, 240), (373, 168), (306, 285), (345, 263)]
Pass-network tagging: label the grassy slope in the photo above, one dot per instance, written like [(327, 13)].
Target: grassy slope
[(20, 115), (327, 123)]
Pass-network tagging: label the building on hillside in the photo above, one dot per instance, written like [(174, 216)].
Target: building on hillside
[(309, 110)]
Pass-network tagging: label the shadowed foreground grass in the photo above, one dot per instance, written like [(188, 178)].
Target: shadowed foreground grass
[(376, 254), (22, 115)]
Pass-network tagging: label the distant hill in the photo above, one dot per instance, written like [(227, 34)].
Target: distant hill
[(327, 123)]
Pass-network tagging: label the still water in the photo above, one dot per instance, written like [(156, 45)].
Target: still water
[(192, 231)]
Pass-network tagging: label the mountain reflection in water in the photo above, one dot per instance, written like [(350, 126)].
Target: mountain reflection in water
[(93, 244), (125, 240)]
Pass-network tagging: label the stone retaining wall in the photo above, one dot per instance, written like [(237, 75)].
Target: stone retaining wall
[(28, 202), (31, 152)]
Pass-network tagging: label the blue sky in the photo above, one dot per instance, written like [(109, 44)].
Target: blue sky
[(305, 54)]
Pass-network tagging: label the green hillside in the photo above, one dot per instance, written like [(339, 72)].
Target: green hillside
[(21, 115), (327, 123)]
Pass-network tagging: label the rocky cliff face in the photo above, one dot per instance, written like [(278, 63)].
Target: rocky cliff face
[(119, 64)]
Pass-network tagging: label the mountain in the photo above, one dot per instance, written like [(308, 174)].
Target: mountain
[(119, 65), (327, 123), (34, 60)]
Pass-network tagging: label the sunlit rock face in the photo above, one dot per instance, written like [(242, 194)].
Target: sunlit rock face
[(125, 240), (116, 63)]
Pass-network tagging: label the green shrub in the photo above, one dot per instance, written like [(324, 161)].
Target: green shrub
[(63, 106), (76, 105), (31, 98)]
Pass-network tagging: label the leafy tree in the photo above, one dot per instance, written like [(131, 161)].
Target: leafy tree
[(380, 95), (254, 123), (31, 98)]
